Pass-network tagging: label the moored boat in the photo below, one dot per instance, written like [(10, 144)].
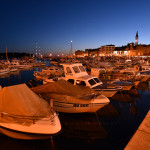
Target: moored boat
[(70, 98), (76, 74), (4, 71), (24, 115)]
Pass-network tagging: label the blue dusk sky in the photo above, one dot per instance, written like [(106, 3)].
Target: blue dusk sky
[(52, 24)]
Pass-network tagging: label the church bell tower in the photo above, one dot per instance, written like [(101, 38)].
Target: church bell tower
[(136, 38)]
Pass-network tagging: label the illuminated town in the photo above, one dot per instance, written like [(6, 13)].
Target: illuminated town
[(131, 49), (74, 75)]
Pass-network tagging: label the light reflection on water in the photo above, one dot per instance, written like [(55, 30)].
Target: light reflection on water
[(18, 77), (110, 128)]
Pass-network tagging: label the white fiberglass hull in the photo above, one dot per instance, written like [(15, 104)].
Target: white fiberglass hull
[(41, 129), (108, 93), (89, 107), (13, 69), (78, 108), (24, 66), (126, 87), (4, 71)]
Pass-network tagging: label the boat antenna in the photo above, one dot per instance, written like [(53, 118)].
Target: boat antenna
[(71, 49)]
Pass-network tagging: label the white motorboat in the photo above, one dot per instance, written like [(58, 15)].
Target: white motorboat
[(49, 73), (18, 64), (129, 71), (53, 70), (76, 74), (13, 69), (24, 115), (51, 79), (54, 62), (40, 76), (70, 98), (126, 85), (69, 104), (4, 71)]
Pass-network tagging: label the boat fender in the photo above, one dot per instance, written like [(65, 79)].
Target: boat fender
[(136, 68), (51, 103), (140, 68)]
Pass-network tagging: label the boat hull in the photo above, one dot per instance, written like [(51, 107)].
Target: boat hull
[(22, 135), (126, 87), (77, 107), (2, 72), (108, 93), (41, 129)]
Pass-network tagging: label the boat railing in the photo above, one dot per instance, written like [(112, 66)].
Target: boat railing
[(33, 119), (116, 76)]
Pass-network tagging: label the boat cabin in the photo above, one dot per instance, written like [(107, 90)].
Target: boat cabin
[(97, 71), (52, 70), (76, 74), (74, 70)]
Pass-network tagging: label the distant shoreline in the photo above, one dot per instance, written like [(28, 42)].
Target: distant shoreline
[(14, 55)]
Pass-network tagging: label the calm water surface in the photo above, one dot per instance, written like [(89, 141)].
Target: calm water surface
[(110, 128)]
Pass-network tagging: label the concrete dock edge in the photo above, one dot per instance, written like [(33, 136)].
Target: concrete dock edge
[(141, 138)]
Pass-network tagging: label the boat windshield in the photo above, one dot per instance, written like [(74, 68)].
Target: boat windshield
[(92, 82), (97, 80), (68, 70), (81, 68)]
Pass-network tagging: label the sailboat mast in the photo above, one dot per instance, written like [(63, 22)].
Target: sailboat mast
[(6, 54)]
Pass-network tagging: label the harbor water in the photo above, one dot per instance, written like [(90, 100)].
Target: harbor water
[(109, 128)]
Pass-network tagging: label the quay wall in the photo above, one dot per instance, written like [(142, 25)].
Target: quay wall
[(141, 138)]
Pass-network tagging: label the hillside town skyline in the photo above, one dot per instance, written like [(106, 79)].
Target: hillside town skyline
[(131, 49)]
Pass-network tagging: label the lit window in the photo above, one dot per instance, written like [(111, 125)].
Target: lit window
[(78, 82)]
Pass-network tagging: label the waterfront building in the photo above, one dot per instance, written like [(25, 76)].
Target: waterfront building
[(131, 49), (79, 53), (107, 50)]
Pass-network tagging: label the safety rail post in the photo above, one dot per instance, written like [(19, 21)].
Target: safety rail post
[(2, 115)]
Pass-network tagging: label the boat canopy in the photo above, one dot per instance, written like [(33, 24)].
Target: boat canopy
[(21, 102), (62, 87)]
